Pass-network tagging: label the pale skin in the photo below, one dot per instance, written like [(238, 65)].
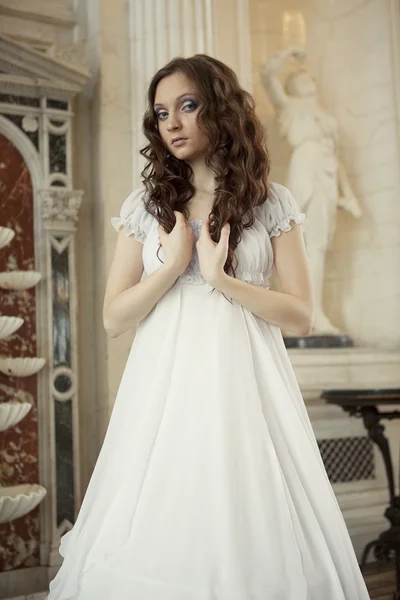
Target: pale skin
[(128, 300)]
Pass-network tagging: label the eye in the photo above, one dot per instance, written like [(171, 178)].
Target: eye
[(190, 105), (161, 114)]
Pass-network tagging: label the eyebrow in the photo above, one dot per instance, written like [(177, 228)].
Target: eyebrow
[(179, 98)]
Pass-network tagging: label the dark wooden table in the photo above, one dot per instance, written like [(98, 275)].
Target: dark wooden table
[(366, 403)]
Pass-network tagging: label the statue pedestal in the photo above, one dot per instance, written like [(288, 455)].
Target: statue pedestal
[(319, 341), (354, 465)]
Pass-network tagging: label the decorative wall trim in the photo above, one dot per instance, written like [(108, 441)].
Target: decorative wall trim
[(37, 87), (39, 125), (60, 207), (19, 57), (52, 12), (26, 70)]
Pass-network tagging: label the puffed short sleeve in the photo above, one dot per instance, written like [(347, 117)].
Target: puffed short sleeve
[(280, 210), (134, 218)]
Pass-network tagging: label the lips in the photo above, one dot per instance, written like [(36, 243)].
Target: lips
[(176, 140)]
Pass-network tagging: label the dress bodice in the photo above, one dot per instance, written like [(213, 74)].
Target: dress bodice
[(254, 252)]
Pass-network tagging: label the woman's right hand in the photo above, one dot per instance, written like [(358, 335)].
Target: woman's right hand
[(177, 245)]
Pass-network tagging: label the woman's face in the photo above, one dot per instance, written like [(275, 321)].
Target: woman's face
[(176, 106)]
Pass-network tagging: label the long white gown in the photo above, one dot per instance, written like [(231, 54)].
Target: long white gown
[(209, 484)]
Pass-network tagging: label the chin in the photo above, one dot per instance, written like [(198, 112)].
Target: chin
[(181, 155), (186, 156)]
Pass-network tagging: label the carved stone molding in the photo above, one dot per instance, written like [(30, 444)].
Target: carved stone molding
[(63, 75), (75, 55), (60, 207), (53, 12)]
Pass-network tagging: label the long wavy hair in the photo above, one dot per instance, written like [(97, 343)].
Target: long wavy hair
[(237, 153)]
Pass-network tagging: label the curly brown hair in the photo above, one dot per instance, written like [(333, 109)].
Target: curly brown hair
[(237, 153)]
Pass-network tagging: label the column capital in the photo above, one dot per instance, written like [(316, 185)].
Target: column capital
[(60, 207)]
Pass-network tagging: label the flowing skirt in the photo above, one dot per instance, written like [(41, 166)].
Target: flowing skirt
[(209, 484)]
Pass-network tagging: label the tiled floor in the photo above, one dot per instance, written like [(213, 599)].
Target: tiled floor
[(40, 596)]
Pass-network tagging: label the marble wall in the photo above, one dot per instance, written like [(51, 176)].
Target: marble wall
[(18, 445), (353, 57), (363, 284)]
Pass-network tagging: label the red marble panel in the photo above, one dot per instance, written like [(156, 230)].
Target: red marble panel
[(19, 539)]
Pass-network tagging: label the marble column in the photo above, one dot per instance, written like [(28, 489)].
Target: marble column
[(232, 45), (103, 163), (160, 30), (60, 213)]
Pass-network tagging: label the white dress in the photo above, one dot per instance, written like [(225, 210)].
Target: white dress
[(209, 484)]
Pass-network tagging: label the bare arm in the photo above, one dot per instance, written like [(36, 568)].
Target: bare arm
[(291, 308), (128, 300)]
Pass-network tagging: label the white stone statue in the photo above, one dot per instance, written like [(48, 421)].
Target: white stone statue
[(315, 176)]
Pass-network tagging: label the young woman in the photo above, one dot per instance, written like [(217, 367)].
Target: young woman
[(209, 484)]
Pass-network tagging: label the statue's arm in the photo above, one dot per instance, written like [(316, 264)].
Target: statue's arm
[(347, 198), (270, 80)]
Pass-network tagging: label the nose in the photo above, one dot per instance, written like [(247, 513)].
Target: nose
[(173, 123)]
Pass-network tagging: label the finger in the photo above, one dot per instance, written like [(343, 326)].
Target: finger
[(179, 216), (225, 232), (204, 227), (205, 230)]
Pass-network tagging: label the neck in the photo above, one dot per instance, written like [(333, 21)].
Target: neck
[(203, 177)]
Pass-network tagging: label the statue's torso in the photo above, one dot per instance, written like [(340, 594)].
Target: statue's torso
[(311, 133)]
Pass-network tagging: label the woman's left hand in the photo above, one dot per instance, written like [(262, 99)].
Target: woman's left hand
[(212, 256)]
